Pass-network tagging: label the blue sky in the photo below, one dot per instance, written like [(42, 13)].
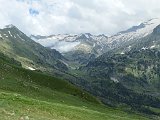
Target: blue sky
[(33, 12), (76, 16)]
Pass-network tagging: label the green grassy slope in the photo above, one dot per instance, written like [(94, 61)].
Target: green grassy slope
[(28, 95), (15, 106), (28, 82)]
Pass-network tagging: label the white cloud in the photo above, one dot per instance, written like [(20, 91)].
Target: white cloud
[(76, 16)]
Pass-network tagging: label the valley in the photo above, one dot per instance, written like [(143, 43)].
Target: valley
[(25, 94), (81, 76)]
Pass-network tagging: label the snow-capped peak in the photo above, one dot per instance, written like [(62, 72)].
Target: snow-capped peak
[(147, 26), (134, 32)]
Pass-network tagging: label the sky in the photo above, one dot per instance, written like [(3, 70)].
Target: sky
[(45, 17)]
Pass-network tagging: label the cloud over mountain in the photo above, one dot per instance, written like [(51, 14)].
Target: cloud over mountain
[(76, 16)]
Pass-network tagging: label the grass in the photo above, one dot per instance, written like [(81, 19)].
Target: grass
[(14, 106), (29, 95)]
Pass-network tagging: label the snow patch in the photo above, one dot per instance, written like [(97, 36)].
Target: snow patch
[(122, 53), (87, 36), (10, 33), (114, 80), (30, 68), (153, 46), (129, 47), (144, 48)]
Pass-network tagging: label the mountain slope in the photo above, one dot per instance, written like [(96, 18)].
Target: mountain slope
[(149, 42), (132, 78), (27, 95), (133, 75), (31, 54)]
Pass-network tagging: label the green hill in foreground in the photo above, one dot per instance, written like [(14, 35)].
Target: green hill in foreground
[(28, 95)]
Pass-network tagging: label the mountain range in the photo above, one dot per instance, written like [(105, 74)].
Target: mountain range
[(94, 45), (120, 71)]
